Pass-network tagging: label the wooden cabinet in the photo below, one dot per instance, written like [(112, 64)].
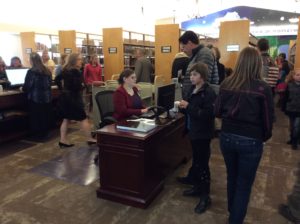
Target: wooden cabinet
[(36, 42), (119, 47)]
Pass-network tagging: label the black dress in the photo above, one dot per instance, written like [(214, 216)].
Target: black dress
[(70, 103)]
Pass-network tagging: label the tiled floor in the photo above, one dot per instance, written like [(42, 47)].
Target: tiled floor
[(32, 198)]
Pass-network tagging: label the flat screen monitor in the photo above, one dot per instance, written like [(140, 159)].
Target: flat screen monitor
[(166, 97), (16, 77)]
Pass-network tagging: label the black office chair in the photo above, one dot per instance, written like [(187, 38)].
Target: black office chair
[(104, 100)]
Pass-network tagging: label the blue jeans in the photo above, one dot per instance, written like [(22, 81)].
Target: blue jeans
[(242, 156)]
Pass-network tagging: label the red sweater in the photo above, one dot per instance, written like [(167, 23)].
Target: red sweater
[(123, 104), (92, 73)]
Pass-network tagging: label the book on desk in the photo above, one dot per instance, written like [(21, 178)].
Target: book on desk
[(140, 125)]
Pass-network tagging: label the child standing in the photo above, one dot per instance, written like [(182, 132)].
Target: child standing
[(198, 109), (291, 106)]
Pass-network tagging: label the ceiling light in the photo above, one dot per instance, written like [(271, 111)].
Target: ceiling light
[(294, 20), (282, 18), (251, 22)]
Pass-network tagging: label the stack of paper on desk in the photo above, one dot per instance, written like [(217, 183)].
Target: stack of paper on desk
[(141, 125)]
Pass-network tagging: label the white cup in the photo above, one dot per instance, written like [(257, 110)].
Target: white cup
[(176, 106)]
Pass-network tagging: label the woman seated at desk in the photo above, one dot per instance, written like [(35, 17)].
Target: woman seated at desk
[(126, 99)]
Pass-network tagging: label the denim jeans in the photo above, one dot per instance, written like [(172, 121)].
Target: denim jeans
[(242, 156)]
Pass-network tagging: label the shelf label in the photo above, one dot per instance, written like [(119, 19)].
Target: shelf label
[(28, 50), (166, 49), (112, 50), (68, 50)]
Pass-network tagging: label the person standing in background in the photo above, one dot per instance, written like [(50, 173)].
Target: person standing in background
[(291, 107), (221, 67), (189, 44), (70, 103), (179, 65), (143, 67), (245, 105), (92, 71), (270, 70), (92, 75), (15, 62), (49, 63), (3, 77), (37, 87), (58, 70)]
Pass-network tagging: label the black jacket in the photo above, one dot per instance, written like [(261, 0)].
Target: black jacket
[(37, 86), (248, 112), (291, 100), (199, 113)]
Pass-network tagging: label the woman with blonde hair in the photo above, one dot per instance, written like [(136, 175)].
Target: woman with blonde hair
[(245, 104), (71, 106)]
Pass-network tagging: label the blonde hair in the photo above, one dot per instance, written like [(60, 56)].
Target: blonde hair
[(248, 67)]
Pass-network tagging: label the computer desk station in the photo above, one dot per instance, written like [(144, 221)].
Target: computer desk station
[(134, 162), (133, 165)]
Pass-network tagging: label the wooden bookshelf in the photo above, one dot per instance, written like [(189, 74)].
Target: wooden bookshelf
[(166, 47), (119, 46)]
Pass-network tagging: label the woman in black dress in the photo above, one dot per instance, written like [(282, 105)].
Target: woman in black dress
[(71, 106)]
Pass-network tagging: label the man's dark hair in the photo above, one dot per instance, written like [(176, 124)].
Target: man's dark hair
[(283, 55), (263, 44), (189, 36)]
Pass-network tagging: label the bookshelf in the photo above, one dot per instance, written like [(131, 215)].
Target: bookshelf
[(36, 42), (119, 48)]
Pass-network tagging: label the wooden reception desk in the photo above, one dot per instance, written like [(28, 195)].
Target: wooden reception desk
[(133, 165)]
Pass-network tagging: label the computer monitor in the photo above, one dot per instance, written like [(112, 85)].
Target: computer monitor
[(166, 97), (16, 77)]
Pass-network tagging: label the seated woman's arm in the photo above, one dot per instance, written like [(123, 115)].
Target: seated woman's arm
[(121, 109)]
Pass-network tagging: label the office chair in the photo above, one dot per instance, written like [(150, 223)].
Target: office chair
[(104, 100)]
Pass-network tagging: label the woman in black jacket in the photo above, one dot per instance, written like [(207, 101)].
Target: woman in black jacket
[(200, 126), (37, 86), (245, 104)]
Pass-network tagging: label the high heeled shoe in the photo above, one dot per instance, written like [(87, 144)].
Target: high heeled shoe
[(63, 145)]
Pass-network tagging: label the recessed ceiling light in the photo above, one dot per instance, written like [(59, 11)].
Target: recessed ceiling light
[(282, 18), (203, 22)]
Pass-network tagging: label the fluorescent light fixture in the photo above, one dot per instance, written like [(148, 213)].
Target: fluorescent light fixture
[(282, 18), (233, 47), (294, 20), (252, 22)]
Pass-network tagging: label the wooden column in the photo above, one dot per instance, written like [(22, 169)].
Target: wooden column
[(166, 36), (233, 33), (28, 46), (67, 40), (297, 56), (113, 51)]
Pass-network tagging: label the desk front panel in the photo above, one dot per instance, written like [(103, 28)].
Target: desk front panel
[(133, 165)]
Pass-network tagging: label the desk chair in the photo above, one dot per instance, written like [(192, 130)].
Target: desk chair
[(115, 76), (104, 100)]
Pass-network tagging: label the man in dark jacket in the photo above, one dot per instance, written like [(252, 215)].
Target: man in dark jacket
[(189, 44)]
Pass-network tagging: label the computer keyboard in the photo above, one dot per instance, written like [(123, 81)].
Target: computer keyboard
[(150, 114)]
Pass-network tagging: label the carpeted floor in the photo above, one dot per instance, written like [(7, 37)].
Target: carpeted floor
[(28, 197)]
